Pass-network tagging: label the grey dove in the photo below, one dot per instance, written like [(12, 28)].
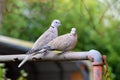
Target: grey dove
[(46, 37), (63, 43)]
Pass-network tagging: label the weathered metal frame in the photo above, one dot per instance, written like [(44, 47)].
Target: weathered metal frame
[(93, 55)]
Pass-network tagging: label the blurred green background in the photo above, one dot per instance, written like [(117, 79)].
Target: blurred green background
[(97, 23)]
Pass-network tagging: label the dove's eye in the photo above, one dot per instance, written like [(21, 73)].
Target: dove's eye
[(56, 22)]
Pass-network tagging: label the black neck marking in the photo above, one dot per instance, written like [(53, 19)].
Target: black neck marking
[(52, 26)]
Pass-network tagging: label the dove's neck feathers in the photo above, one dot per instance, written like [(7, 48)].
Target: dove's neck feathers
[(73, 33), (53, 29)]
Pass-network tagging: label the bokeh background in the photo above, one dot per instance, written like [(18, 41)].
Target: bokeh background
[(97, 23)]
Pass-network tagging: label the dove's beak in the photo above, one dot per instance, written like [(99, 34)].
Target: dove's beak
[(60, 24)]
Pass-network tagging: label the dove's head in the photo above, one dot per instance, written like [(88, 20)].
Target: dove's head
[(73, 31), (56, 23)]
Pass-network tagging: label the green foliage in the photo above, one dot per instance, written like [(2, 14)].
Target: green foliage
[(96, 23), (109, 75), (23, 75), (3, 73)]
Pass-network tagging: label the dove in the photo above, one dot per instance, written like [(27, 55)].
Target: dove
[(63, 43), (44, 39)]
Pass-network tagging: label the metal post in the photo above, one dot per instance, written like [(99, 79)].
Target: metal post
[(97, 71), (97, 62)]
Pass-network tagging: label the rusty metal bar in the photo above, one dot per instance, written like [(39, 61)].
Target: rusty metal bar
[(51, 56), (97, 62), (97, 71)]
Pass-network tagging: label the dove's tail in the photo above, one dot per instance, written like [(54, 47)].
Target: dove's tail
[(24, 60)]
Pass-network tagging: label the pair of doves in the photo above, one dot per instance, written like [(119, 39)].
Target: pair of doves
[(50, 40)]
